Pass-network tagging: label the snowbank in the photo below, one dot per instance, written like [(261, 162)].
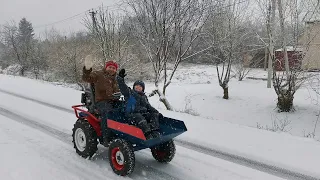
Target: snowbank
[(276, 149), (12, 70)]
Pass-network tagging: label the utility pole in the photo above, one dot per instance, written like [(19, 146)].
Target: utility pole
[(98, 35), (94, 22)]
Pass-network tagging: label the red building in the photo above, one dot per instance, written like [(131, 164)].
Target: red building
[(294, 58)]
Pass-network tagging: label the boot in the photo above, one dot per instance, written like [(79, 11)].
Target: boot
[(156, 134), (105, 142), (144, 126), (149, 135), (154, 123)]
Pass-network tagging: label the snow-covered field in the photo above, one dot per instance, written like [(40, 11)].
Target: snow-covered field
[(195, 90), (228, 126)]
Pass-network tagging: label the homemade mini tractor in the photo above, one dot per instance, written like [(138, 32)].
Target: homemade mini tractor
[(123, 137)]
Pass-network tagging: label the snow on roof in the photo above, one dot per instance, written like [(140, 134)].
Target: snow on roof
[(291, 48), (313, 21)]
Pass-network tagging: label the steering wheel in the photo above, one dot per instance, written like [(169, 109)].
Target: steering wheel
[(118, 95)]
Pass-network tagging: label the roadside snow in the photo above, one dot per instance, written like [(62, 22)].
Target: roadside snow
[(276, 149), (65, 97)]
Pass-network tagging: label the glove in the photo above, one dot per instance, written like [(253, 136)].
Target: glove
[(161, 116), (122, 73), (88, 62)]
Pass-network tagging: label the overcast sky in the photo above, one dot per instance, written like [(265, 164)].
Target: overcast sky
[(43, 12)]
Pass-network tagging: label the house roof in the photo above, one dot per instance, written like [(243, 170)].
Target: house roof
[(315, 21), (291, 48)]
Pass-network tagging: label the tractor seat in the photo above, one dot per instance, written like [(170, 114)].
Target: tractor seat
[(117, 113), (95, 112)]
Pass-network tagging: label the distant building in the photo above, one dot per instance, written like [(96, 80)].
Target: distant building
[(310, 41), (295, 55), (246, 57)]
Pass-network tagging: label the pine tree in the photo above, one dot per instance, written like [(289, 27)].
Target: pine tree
[(26, 32), (26, 43)]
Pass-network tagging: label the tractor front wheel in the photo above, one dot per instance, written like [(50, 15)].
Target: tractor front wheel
[(84, 138), (164, 152), (121, 157)]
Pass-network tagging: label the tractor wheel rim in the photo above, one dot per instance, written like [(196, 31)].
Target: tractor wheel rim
[(80, 139), (117, 158), (160, 154)]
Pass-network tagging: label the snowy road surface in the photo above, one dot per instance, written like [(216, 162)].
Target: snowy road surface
[(287, 173), (35, 145)]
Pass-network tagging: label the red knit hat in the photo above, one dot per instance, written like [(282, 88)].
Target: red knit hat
[(112, 63)]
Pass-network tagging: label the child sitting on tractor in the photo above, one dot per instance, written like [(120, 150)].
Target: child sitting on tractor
[(138, 109)]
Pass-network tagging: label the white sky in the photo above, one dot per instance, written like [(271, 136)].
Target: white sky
[(43, 12)]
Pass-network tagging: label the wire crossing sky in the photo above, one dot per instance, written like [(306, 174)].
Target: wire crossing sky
[(65, 16)]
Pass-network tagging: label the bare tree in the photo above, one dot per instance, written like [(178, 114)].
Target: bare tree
[(286, 85), (288, 82), (38, 60), (225, 35), (66, 55), (10, 34), (247, 45), (270, 29), (105, 28), (283, 35), (241, 67), (166, 30), (20, 41)]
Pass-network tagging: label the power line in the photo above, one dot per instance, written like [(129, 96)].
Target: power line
[(72, 17), (109, 8), (66, 19)]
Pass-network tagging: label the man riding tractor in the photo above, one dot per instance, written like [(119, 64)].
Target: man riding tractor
[(105, 85)]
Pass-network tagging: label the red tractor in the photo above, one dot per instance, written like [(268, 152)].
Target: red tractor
[(123, 137)]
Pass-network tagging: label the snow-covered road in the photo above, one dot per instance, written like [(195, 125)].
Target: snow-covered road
[(27, 153), (238, 159), (36, 143)]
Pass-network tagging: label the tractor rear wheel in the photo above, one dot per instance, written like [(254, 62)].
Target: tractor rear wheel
[(84, 138), (121, 157), (164, 152)]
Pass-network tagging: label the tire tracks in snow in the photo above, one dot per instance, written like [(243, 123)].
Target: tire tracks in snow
[(100, 156), (76, 168), (274, 170), (38, 101), (49, 131), (62, 136)]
